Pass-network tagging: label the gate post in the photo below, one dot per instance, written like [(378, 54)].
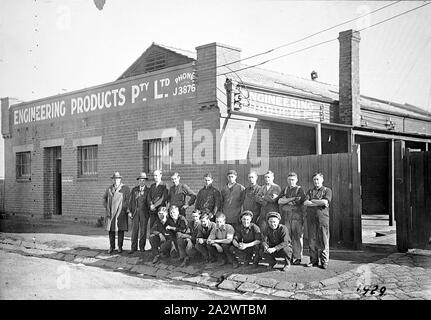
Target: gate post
[(356, 196)]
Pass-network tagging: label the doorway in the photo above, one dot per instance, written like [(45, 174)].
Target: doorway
[(376, 192), (52, 182), (58, 197)]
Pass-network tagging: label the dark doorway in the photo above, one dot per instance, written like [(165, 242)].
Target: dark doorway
[(52, 182), (58, 186), (376, 191), (375, 172)]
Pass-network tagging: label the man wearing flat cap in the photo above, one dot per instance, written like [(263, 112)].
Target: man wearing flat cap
[(276, 242), (139, 213), (246, 241), (231, 198), (116, 203)]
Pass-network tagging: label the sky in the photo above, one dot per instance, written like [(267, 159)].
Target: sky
[(52, 47)]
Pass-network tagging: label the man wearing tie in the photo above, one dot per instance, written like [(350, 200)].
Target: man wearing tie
[(157, 196), (139, 213)]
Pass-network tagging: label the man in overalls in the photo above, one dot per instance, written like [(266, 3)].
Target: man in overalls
[(291, 209), (317, 202)]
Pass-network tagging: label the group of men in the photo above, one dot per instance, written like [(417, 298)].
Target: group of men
[(238, 224)]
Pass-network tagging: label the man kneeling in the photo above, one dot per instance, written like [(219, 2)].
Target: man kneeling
[(276, 243), (220, 239), (177, 226), (246, 241), (160, 237), (204, 230), (187, 240)]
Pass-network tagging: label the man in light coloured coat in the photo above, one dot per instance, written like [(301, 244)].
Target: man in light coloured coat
[(116, 202)]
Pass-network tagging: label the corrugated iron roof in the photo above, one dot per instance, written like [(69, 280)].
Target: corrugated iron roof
[(307, 87), (317, 90)]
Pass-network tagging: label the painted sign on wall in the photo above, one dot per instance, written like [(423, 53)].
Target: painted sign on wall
[(118, 95), (282, 106)]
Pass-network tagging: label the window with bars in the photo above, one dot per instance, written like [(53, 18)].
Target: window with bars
[(157, 155), (87, 161), (23, 165)]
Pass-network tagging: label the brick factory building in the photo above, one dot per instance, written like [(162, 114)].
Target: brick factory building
[(178, 111)]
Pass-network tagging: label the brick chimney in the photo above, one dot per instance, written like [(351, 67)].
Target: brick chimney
[(349, 93), (210, 56), (5, 118)]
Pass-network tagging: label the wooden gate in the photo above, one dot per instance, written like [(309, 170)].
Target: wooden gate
[(341, 173), (412, 197)]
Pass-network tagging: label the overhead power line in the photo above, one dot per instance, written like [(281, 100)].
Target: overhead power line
[(327, 41), (302, 39), (310, 36), (396, 16)]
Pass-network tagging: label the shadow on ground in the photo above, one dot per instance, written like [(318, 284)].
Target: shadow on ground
[(78, 237)]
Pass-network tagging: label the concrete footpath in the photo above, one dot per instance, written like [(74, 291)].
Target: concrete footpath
[(377, 274)]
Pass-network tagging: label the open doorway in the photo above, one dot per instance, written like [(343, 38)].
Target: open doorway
[(378, 227)]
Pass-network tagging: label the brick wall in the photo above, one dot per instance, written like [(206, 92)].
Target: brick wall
[(120, 151), (288, 139)]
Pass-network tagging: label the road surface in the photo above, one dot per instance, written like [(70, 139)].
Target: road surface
[(24, 277)]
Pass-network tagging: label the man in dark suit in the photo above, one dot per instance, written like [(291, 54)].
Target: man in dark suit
[(139, 213), (157, 196)]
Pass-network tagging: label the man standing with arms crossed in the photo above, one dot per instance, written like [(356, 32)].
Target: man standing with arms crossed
[(291, 210), (267, 198), (317, 202)]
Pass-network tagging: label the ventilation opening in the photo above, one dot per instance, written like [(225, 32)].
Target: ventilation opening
[(155, 61)]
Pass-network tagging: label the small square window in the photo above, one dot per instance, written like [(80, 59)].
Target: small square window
[(157, 155), (23, 165), (87, 161)]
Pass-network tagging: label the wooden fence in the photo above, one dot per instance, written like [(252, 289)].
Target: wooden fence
[(341, 173)]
